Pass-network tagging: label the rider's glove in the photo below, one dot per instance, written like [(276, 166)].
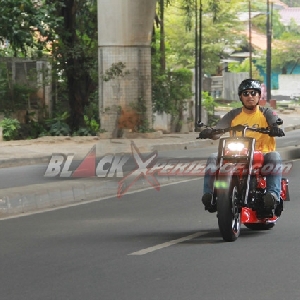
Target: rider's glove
[(276, 131), (207, 133)]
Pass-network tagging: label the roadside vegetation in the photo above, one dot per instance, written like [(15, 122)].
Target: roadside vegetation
[(65, 35)]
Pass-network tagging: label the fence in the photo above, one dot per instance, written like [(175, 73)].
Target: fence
[(25, 86), (231, 83)]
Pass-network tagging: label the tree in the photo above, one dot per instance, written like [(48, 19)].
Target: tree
[(71, 28), (292, 3), (27, 25), (75, 53), (286, 44), (219, 32), (180, 91), (244, 66)]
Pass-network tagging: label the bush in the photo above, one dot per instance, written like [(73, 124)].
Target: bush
[(10, 128), (58, 126), (92, 127)]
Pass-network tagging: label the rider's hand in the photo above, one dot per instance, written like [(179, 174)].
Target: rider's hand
[(276, 131), (207, 133)]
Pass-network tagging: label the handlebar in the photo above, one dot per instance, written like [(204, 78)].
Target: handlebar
[(241, 128)]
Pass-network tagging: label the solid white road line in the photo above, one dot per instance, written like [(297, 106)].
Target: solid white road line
[(85, 202), (167, 244)]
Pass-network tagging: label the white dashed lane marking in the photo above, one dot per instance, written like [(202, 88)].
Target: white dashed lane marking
[(168, 244)]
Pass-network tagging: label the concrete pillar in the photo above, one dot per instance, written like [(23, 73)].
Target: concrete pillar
[(124, 36)]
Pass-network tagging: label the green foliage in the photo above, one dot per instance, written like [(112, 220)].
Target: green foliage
[(292, 3), (3, 85), (294, 28), (91, 124), (210, 104), (260, 21), (180, 92), (22, 21), (160, 81), (160, 93), (141, 110), (92, 127), (287, 53), (75, 55), (58, 125), (116, 70), (170, 90), (10, 128), (220, 26), (285, 39), (15, 96), (181, 85), (31, 130), (244, 66)]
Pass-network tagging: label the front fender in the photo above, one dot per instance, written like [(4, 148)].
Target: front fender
[(224, 176)]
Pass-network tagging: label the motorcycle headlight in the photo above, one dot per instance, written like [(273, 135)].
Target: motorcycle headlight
[(236, 148)]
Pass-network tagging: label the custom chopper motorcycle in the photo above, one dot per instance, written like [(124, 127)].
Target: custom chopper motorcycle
[(240, 184)]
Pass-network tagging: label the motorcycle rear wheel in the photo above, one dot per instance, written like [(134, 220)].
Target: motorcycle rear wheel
[(229, 215), (260, 226)]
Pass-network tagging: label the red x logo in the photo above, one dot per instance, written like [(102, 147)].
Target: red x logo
[(140, 171)]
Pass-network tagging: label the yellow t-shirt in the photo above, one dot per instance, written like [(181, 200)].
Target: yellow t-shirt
[(261, 117), (264, 142)]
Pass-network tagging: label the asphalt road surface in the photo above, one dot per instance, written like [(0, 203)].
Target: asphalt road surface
[(34, 174), (150, 245)]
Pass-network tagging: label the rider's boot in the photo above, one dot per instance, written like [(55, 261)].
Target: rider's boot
[(270, 202), (209, 205)]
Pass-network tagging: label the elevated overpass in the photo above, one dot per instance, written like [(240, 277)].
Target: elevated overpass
[(124, 38)]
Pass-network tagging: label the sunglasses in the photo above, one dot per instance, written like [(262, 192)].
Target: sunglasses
[(252, 93)]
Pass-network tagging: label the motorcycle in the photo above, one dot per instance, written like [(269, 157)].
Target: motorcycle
[(240, 184)]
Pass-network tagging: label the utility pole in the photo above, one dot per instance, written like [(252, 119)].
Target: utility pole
[(269, 53), (200, 61), (250, 41), (196, 66)]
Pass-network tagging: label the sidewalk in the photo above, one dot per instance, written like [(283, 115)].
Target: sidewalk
[(20, 200), (26, 152), (52, 194)]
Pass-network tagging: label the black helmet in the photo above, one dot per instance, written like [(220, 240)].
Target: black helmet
[(251, 84)]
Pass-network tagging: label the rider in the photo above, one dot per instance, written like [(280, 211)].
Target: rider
[(252, 115)]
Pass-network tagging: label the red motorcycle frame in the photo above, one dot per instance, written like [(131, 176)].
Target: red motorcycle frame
[(240, 185)]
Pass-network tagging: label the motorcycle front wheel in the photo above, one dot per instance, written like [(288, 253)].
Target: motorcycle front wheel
[(229, 215)]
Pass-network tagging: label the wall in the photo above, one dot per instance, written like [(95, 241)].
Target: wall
[(288, 86), (275, 75), (162, 121), (231, 82)]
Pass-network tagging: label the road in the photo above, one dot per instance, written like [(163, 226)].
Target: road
[(34, 174), (148, 245)]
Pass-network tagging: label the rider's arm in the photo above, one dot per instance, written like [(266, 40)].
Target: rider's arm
[(270, 115), (226, 121)]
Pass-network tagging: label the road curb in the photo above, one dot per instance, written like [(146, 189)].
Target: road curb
[(15, 162), (37, 197)]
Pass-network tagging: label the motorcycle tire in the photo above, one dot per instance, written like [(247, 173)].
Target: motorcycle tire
[(260, 226), (229, 215)]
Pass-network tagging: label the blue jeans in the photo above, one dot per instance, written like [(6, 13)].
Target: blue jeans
[(273, 180)]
